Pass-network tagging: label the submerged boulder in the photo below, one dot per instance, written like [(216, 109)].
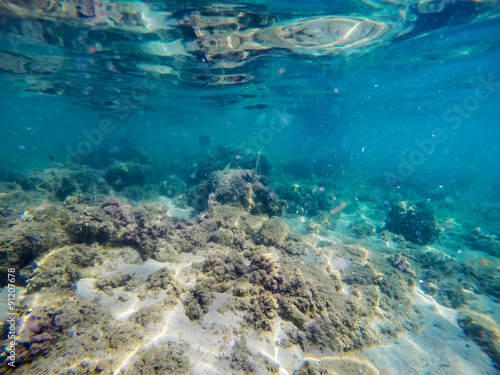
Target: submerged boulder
[(272, 232), (415, 223), (239, 188), (121, 174)]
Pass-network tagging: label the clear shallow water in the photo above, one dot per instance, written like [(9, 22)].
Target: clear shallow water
[(371, 102)]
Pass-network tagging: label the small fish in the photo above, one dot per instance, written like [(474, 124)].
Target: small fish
[(51, 157), (338, 208)]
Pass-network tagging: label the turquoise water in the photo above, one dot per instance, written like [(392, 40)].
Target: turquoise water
[(339, 153)]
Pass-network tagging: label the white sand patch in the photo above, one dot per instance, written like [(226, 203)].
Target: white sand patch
[(209, 341), (119, 310), (438, 348), (181, 270), (288, 358)]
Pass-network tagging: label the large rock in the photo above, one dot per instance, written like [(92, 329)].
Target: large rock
[(272, 232), (416, 223), (240, 188)]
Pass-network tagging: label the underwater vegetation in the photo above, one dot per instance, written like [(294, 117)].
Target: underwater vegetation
[(224, 253), (285, 187)]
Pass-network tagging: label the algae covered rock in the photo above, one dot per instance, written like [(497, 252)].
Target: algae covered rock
[(121, 174), (477, 239), (344, 365), (306, 200), (161, 358), (361, 228), (239, 188), (62, 182), (272, 232), (416, 223)]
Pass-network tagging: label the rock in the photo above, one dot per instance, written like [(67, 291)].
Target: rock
[(272, 232), (62, 182), (238, 188), (121, 174), (343, 365), (165, 252), (361, 229), (477, 239), (306, 200), (161, 358), (416, 223)]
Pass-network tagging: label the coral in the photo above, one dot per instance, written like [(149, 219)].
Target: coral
[(160, 250), (261, 309), (86, 229), (312, 227), (344, 365), (163, 280), (263, 270), (240, 272), (416, 223), (48, 325)]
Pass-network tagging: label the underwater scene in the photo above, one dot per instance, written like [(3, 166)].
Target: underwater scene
[(279, 187)]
